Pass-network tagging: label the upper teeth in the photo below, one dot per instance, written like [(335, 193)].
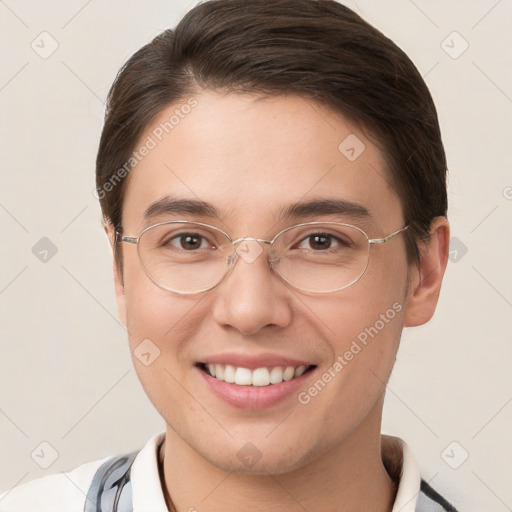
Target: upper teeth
[(257, 377)]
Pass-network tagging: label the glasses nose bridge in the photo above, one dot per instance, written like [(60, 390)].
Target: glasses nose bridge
[(232, 260), (251, 239)]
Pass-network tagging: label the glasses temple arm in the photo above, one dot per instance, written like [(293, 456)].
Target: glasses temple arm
[(387, 238), (120, 238)]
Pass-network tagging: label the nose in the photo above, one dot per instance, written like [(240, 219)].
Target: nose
[(251, 296)]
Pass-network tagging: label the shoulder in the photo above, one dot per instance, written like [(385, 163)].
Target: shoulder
[(52, 493), (69, 491)]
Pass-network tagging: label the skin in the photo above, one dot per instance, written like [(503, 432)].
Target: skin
[(249, 156)]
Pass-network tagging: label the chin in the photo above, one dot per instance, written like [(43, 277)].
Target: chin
[(261, 455), (269, 464)]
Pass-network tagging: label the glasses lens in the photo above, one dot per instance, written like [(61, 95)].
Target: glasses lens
[(184, 257), (189, 257), (321, 257)]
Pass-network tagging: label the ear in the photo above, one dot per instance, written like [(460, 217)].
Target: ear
[(427, 276), (118, 278)]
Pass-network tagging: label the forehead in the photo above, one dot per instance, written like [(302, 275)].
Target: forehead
[(251, 157)]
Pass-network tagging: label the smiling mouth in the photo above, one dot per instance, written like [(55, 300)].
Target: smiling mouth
[(259, 377)]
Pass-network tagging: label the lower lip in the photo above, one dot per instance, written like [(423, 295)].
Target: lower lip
[(254, 397)]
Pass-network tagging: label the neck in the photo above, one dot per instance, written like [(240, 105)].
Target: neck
[(349, 477)]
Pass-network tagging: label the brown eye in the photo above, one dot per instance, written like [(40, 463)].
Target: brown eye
[(187, 242), (322, 242)]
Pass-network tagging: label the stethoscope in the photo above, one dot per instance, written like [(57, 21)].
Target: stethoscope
[(124, 480), (119, 485)]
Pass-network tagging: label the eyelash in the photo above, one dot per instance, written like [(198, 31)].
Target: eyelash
[(332, 238)]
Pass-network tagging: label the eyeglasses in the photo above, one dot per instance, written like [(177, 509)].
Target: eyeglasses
[(316, 257)]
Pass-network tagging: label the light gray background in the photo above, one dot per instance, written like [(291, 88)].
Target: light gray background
[(65, 370)]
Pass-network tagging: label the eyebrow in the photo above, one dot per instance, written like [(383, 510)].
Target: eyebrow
[(318, 207), (306, 209), (168, 205)]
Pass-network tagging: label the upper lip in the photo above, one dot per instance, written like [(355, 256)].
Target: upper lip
[(253, 362)]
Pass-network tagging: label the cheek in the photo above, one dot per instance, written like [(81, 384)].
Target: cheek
[(152, 312), (370, 309), (362, 327), (364, 338), (348, 387), (159, 323)]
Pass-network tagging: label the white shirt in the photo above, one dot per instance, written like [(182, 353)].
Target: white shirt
[(66, 492)]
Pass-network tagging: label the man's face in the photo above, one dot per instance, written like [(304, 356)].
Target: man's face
[(251, 157)]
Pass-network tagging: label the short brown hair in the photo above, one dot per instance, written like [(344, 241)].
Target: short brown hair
[(318, 49)]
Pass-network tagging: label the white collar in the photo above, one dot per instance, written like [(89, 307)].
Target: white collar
[(148, 495), (410, 481), (145, 478)]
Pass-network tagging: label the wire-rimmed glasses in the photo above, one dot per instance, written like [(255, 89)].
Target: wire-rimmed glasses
[(187, 257)]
